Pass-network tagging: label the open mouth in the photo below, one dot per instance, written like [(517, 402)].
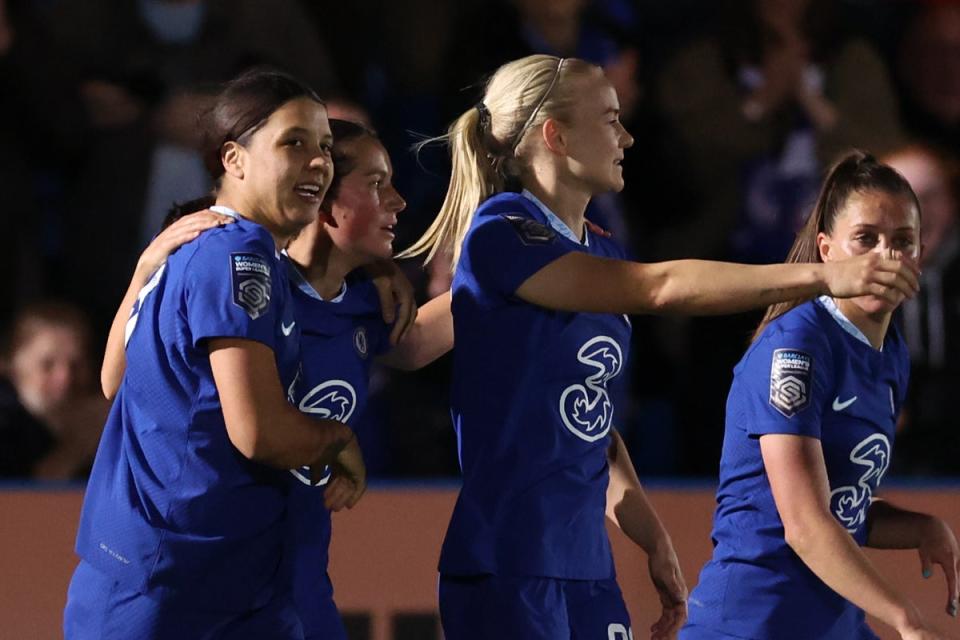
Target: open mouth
[(308, 191)]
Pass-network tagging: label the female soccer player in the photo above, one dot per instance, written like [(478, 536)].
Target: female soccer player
[(342, 331), (538, 298), (183, 522), (810, 422)]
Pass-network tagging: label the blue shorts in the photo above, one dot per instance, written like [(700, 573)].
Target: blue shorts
[(493, 607), (317, 610), (99, 608)]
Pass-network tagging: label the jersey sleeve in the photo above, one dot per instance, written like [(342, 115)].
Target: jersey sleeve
[(231, 290), (785, 383), (506, 249)]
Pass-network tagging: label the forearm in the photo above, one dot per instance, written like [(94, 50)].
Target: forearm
[(430, 337), (288, 439), (707, 288), (627, 502), (832, 554), (114, 355)]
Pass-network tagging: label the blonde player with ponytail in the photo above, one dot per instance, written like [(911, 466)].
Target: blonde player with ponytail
[(538, 301)]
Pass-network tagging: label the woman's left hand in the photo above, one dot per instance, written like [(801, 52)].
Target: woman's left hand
[(396, 297), (668, 579), (939, 546)]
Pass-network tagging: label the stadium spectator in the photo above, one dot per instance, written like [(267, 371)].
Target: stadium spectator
[(50, 412), (931, 321)]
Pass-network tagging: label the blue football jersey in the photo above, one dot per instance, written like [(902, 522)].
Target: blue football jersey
[(172, 508), (531, 404), (811, 373), (341, 337)]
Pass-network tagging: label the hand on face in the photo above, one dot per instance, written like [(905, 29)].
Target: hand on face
[(882, 231)]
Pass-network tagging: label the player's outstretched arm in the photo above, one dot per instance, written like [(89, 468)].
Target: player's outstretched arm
[(798, 479), (629, 508), (167, 241), (261, 424), (581, 282), (891, 527), (430, 337)]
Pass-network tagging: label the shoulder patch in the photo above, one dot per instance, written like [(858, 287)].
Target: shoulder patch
[(250, 273), (791, 374), (530, 231)]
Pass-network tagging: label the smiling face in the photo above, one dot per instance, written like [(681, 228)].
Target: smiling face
[(873, 221), (282, 170), (364, 212), (595, 138)]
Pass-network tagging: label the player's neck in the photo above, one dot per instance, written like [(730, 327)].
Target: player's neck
[(320, 261), (250, 211), (873, 325), (566, 203)]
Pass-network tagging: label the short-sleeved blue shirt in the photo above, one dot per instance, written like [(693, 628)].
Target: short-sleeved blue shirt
[(172, 508), (531, 404), (811, 373), (341, 337)]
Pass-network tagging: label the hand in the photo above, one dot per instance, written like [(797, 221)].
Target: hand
[(176, 235), (871, 274), (938, 545), (922, 633), (668, 579), (349, 479), (395, 291)]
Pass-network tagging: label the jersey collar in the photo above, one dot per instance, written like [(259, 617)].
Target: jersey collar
[(301, 283), (227, 211), (831, 307), (555, 222)]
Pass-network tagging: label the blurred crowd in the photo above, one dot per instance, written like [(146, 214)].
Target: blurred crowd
[(738, 106)]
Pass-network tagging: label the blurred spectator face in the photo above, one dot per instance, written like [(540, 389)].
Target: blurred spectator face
[(930, 62), (48, 366), (931, 183)]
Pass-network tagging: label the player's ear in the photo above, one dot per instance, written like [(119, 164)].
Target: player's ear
[(824, 246), (233, 157), (554, 136)]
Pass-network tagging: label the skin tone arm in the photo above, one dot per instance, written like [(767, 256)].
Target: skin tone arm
[(890, 527), (581, 282), (628, 507), (267, 429), (177, 234), (798, 479), (396, 298), (430, 337)]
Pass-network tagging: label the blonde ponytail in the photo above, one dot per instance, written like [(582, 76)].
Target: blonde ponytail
[(473, 179), (487, 142)]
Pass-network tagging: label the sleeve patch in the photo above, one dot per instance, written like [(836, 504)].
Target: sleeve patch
[(530, 231), (251, 283), (791, 374)]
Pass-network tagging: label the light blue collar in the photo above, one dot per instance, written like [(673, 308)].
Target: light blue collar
[(301, 283), (828, 303), (558, 225), (227, 211)]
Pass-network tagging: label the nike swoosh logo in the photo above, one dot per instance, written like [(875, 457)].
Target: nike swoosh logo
[(286, 330), (840, 406)]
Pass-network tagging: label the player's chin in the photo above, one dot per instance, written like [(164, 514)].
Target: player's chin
[(874, 305)]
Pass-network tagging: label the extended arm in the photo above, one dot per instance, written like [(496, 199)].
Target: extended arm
[(430, 337), (581, 282)]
